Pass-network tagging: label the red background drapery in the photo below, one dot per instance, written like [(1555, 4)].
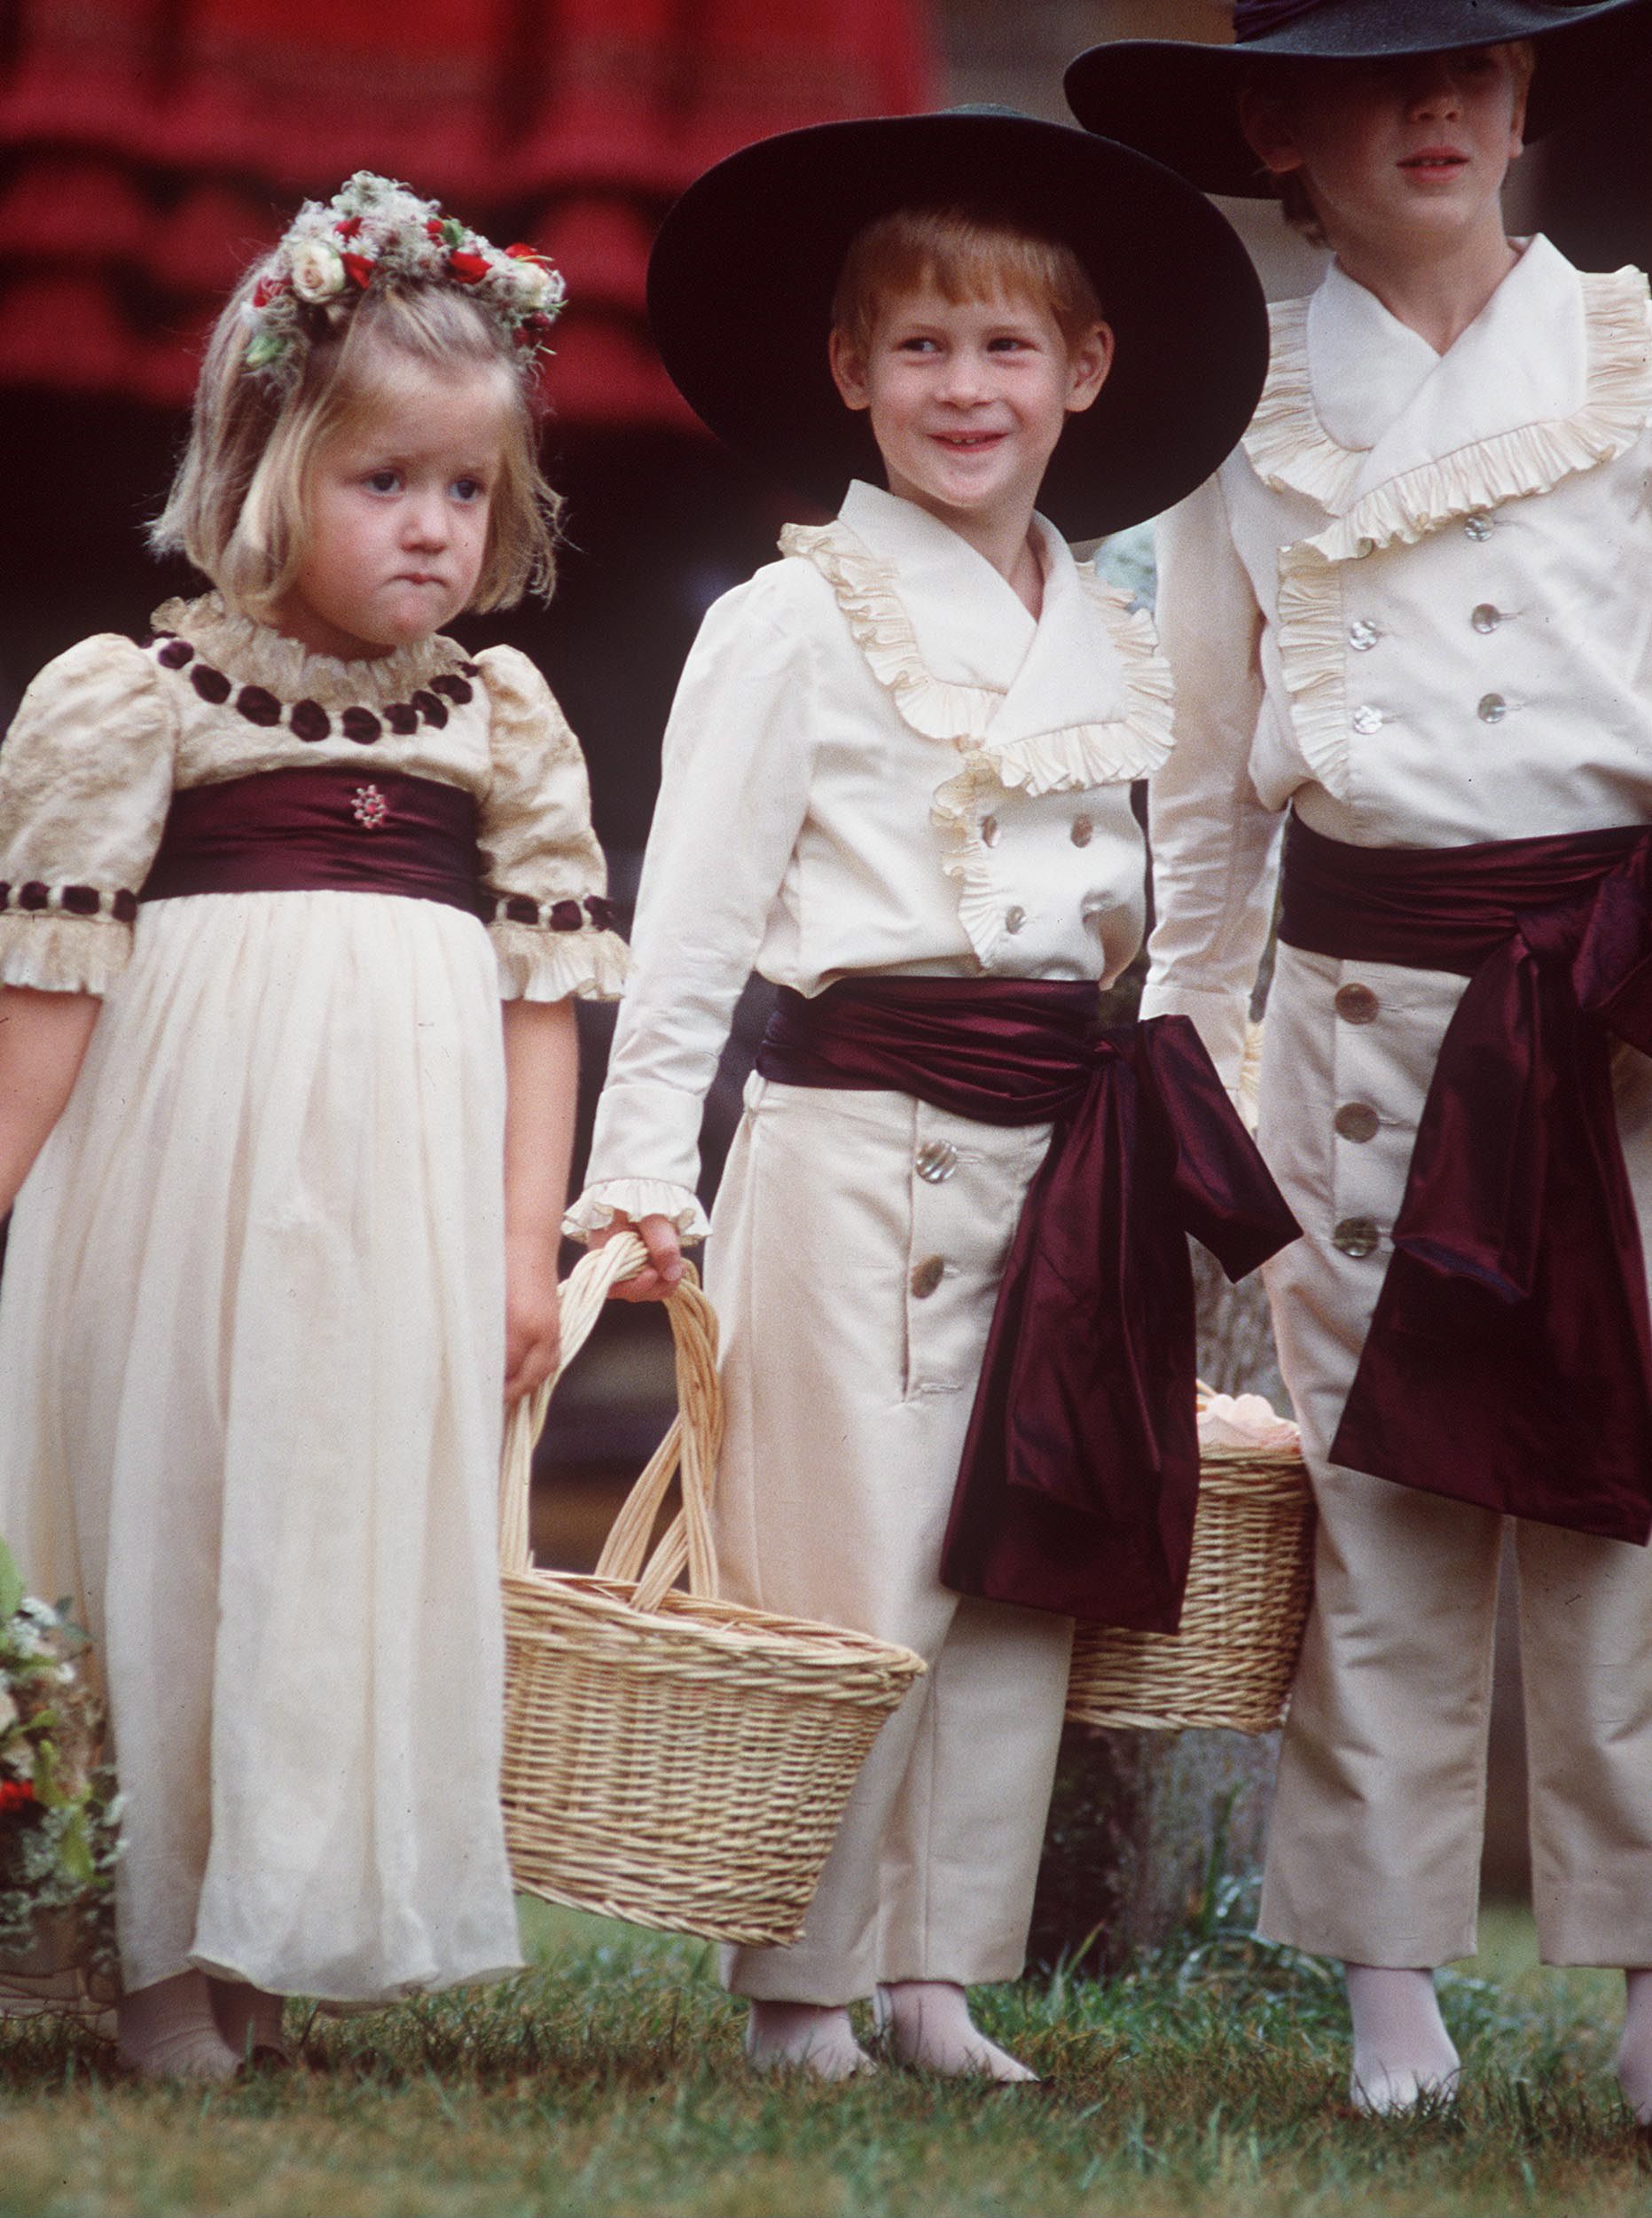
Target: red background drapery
[(148, 147)]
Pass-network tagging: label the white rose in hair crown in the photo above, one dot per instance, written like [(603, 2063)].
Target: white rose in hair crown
[(373, 231)]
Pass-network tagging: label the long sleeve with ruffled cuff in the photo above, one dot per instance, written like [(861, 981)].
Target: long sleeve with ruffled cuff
[(543, 879), (86, 775)]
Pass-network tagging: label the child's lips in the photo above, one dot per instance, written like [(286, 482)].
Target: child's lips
[(1435, 161)]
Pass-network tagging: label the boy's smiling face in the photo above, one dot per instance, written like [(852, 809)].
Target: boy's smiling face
[(968, 398), (1419, 145)]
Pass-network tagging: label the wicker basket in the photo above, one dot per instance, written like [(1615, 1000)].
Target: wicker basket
[(670, 1758), (1248, 1595)]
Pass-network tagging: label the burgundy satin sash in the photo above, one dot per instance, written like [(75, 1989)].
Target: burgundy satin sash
[(1080, 1473), (1509, 1360), (322, 829)]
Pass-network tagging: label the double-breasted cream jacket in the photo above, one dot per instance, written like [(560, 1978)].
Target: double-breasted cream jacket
[(877, 762), (1415, 606)]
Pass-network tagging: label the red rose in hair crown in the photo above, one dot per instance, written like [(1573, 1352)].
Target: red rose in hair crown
[(374, 229)]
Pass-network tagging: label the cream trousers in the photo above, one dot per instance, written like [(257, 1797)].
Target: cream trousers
[(855, 1294), (1374, 1851)]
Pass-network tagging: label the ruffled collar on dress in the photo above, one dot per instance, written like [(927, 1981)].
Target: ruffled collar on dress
[(254, 654)]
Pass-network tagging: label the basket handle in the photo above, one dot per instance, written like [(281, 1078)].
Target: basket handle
[(693, 1442)]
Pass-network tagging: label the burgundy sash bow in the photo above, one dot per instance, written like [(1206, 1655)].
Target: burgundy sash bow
[(1080, 1473), (1509, 1360)]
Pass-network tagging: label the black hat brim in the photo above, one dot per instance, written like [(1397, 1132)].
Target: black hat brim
[(743, 273), (1178, 101)]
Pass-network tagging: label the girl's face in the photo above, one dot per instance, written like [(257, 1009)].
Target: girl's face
[(396, 513), (1418, 145), (968, 398)]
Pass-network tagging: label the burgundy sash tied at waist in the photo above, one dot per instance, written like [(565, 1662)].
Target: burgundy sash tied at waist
[(1080, 1472), (325, 829), (1509, 1360)]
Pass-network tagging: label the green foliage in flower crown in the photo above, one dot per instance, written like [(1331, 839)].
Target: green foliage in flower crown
[(60, 1813)]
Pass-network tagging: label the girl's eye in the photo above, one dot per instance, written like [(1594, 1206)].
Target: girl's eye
[(469, 488), (383, 480)]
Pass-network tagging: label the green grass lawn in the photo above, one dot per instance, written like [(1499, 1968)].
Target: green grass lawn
[(609, 2081)]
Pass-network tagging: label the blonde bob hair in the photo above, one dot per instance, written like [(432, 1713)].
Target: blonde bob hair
[(967, 256), (236, 507)]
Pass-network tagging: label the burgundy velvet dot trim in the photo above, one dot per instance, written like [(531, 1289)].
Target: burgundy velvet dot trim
[(124, 907), (258, 705), (432, 707), (402, 718), (459, 690), (600, 911), (309, 721), (521, 910), (361, 725), (81, 900), (33, 895), (211, 684), (565, 916), (175, 654)]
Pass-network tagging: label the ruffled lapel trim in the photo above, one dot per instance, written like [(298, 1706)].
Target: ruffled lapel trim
[(1291, 450), (1512, 465), (1006, 739), (254, 654)]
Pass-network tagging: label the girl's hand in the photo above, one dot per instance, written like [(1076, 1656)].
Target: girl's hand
[(658, 1234), (533, 1317)]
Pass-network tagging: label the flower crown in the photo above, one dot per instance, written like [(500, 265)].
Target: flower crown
[(372, 230)]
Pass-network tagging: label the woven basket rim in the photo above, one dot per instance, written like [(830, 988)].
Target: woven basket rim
[(733, 1627)]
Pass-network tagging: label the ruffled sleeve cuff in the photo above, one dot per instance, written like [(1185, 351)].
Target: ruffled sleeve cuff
[(55, 953), (546, 962), (636, 1198)]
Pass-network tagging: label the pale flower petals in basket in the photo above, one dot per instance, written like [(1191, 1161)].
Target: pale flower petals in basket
[(670, 1758), (1232, 1662)]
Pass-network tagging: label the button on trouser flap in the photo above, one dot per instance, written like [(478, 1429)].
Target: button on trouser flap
[(1358, 1005), (1355, 1237), (926, 1276), (1357, 1121)]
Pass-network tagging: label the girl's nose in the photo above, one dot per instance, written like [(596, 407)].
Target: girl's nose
[(424, 519)]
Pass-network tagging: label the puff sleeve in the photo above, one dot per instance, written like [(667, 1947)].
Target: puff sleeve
[(86, 776), (543, 879)]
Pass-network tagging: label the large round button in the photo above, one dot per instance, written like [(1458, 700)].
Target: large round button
[(1355, 1237), (1014, 919), (1357, 1120), (1492, 708), (935, 1161), (1485, 618), (1477, 527), (1357, 1005), (990, 831), (1363, 636), (1082, 832), (926, 1276), (1367, 720)]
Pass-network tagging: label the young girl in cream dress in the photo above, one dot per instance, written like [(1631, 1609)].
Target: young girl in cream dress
[(1412, 609), (287, 1192)]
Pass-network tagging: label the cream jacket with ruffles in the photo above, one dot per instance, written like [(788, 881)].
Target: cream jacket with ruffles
[(1415, 605), (877, 762), (108, 731)]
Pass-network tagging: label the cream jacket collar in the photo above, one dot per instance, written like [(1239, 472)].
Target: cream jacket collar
[(1078, 698), (1553, 376)]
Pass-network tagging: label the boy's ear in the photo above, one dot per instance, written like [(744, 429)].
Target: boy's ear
[(1266, 122), (849, 370), (1087, 366)]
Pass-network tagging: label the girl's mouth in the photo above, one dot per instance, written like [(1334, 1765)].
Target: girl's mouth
[(1435, 161)]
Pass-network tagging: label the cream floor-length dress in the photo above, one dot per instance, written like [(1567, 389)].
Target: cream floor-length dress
[(251, 1351)]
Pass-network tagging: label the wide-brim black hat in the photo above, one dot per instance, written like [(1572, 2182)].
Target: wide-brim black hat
[(744, 270), (1178, 101)]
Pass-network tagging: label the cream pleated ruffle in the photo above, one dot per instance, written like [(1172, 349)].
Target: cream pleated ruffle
[(251, 1342)]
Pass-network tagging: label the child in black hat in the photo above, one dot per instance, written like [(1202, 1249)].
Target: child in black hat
[(1412, 610), (896, 782)]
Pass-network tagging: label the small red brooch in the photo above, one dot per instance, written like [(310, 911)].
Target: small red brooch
[(368, 808)]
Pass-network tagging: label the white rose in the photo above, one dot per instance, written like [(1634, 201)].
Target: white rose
[(532, 283), (318, 269), (1245, 1420)]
